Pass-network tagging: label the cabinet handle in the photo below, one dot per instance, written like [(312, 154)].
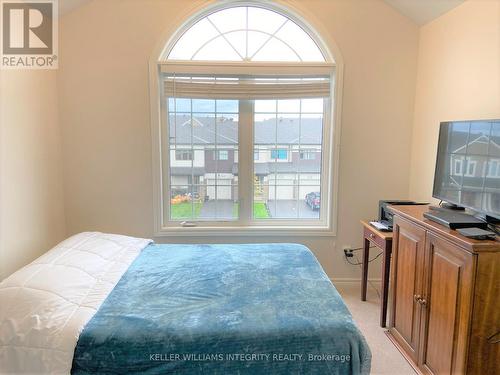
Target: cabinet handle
[(417, 297), (423, 302)]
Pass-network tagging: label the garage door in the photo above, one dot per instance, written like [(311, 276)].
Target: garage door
[(223, 189)]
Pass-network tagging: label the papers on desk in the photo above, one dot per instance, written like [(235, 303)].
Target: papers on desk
[(380, 226)]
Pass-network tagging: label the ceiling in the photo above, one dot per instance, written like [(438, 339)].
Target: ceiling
[(423, 11), (420, 11)]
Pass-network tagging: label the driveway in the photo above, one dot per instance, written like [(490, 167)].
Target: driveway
[(282, 209), (222, 209), (287, 209)]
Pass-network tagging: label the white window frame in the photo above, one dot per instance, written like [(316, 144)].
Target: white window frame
[(327, 224)]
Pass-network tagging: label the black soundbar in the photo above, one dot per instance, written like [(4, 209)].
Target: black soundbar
[(455, 220)]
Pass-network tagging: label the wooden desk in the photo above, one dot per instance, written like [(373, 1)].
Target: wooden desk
[(382, 240)]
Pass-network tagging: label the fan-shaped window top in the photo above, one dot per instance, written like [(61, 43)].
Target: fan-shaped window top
[(246, 34)]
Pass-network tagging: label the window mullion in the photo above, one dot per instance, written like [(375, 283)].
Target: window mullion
[(245, 161)]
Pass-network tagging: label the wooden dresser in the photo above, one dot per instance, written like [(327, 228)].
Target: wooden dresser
[(445, 297)]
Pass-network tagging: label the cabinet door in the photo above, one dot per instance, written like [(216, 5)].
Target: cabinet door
[(446, 307), (406, 279)]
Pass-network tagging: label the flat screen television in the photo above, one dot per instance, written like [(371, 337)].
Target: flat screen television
[(468, 166)]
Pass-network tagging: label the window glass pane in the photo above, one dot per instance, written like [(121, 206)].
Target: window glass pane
[(179, 105), (287, 172), (249, 33), (184, 155), (227, 129), (219, 203), (309, 199), (229, 19), (264, 20), (256, 40), (311, 133), (202, 131), (279, 154), (302, 43), (203, 162), (183, 205), (275, 50), (204, 105), (312, 105), (265, 106), (289, 105), (191, 40), (265, 129), (281, 203), (223, 155), (227, 106), (288, 130), (217, 49), (238, 40)]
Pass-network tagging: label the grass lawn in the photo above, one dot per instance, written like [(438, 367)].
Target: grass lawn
[(259, 210), (184, 211)]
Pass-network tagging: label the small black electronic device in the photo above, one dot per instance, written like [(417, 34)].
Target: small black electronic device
[(455, 220), (477, 234), (385, 216)]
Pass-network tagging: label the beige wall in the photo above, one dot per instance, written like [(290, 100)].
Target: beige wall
[(458, 79), (31, 193), (104, 113)]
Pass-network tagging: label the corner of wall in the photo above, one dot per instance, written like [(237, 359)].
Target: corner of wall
[(458, 78)]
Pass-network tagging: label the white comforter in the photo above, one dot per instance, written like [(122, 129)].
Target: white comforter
[(45, 305)]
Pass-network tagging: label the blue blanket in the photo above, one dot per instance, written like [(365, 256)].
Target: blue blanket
[(223, 309)]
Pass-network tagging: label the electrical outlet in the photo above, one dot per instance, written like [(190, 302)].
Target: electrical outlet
[(348, 251)]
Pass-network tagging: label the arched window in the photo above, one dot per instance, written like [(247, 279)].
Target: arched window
[(246, 130), (246, 34)]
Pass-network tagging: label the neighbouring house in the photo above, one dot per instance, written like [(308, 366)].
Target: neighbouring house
[(474, 166), (204, 155)]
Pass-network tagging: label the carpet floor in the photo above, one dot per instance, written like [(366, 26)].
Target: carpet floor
[(386, 359)]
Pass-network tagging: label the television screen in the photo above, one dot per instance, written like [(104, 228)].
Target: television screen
[(468, 165)]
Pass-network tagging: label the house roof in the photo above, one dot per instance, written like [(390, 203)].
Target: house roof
[(205, 131), (479, 145)]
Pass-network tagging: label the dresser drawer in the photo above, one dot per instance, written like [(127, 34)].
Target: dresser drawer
[(372, 236)]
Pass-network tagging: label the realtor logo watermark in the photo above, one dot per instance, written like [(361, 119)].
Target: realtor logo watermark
[(29, 34)]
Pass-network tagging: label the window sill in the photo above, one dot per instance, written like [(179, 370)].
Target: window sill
[(246, 231)]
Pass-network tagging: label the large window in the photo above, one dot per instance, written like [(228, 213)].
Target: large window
[(247, 130)]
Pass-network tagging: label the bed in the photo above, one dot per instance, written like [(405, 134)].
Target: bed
[(109, 304)]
